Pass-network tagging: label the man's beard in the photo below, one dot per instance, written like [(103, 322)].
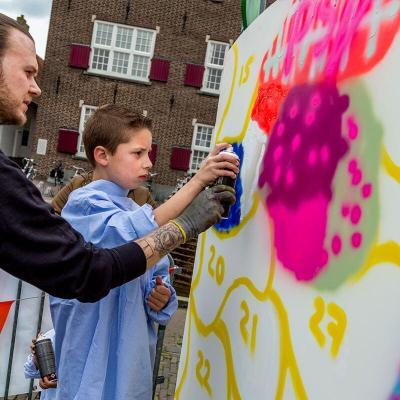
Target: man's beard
[(7, 106)]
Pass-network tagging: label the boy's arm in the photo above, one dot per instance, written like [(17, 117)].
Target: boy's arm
[(212, 167)]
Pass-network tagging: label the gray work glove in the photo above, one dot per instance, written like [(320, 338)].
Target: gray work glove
[(205, 210)]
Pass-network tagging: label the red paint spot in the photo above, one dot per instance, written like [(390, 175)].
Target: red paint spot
[(356, 213), (325, 153), (310, 118), (312, 157), (289, 177), (4, 310), (353, 129), (278, 153), (366, 190), (352, 167), (345, 210), (277, 173), (356, 240), (316, 101), (293, 111), (357, 177), (336, 245), (296, 142)]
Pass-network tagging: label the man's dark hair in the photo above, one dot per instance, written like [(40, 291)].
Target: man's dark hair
[(111, 125), (6, 24)]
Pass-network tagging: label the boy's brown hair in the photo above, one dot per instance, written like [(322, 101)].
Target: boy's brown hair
[(109, 126)]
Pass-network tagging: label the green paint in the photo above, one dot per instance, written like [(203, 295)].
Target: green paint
[(367, 150)]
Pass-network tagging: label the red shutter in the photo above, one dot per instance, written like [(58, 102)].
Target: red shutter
[(67, 141), (180, 158), (79, 56), (159, 70), (194, 75), (153, 153)]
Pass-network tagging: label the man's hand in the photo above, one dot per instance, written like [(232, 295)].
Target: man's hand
[(159, 296), (216, 165), (45, 383), (33, 352), (205, 210)]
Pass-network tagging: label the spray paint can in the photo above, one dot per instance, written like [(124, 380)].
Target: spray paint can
[(45, 358), (227, 180)]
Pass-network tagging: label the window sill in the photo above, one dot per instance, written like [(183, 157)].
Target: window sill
[(205, 93), (117, 78)]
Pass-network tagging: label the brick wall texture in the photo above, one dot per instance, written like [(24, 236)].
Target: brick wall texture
[(183, 24)]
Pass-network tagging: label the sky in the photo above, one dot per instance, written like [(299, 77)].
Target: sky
[(37, 15)]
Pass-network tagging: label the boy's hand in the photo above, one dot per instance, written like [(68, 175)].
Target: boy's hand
[(216, 165), (45, 383), (159, 296), (34, 359)]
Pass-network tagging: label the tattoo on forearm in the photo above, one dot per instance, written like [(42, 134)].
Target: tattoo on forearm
[(146, 247), (166, 239)]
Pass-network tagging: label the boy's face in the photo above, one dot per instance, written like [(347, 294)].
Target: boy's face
[(129, 166)]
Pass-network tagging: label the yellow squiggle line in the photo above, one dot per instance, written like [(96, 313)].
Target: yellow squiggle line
[(246, 71), (240, 137), (391, 168), (231, 90), (388, 252), (287, 358)]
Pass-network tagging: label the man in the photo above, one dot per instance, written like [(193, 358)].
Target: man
[(41, 248)]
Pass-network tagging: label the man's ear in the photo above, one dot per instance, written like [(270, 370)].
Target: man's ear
[(101, 155)]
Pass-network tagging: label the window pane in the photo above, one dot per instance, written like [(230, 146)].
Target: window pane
[(203, 136), (104, 34), (124, 38), (198, 157), (120, 62), (213, 79), (143, 41), (218, 51), (87, 112), (140, 66), (100, 59)]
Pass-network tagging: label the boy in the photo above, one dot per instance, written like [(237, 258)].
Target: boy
[(105, 350)]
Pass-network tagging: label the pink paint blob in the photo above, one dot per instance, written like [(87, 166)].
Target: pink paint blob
[(366, 190), (293, 111), (325, 153), (356, 213), (299, 239), (352, 166), (280, 129), (345, 210), (312, 157), (356, 240), (278, 153), (353, 128), (310, 118), (316, 100), (296, 142), (336, 245), (356, 178), (277, 173), (289, 177)]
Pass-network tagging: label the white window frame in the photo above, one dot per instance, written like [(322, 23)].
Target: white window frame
[(208, 66), (200, 148), (112, 48), (81, 127)]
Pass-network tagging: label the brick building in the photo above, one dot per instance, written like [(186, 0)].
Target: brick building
[(161, 57)]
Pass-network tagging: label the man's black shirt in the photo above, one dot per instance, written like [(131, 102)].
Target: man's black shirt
[(41, 248)]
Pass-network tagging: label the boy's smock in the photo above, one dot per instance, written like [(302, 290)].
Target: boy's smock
[(105, 350)]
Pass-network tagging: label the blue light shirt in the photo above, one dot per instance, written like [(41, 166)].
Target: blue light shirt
[(105, 350)]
